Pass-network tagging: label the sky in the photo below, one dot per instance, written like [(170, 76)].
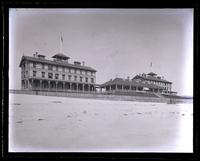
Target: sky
[(115, 42)]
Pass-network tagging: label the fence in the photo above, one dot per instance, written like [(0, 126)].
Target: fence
[(96, 95)]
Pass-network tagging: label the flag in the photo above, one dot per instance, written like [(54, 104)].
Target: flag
[(61, 39)]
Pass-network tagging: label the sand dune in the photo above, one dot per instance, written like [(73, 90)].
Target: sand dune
[(41, 123)]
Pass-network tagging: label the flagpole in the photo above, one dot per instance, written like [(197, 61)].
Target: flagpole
[(151, 67), (61, 42)]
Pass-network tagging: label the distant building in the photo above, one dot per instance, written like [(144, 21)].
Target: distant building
[(144, 83), (38, 73)]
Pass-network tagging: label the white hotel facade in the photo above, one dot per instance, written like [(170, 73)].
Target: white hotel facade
[(38, 73)]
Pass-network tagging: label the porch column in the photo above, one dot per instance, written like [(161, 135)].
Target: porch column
[(40, 85), (70, 86), (48, 85), (77, 87), (56, 86), (30, 84), (63, 86)]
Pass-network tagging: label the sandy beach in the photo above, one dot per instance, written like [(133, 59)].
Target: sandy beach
[(61, 124)]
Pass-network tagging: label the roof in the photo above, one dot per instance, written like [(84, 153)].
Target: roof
[(60, 63), (40, 55), (151, 78), (120, 81), (60, 55), (151, 73)]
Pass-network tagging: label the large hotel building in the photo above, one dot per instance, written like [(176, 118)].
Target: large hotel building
[(38, 73), (58, 75)]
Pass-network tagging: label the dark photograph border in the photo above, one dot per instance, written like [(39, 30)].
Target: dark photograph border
[(95, 4)]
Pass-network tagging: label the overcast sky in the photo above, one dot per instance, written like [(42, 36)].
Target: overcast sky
[(116, 42)]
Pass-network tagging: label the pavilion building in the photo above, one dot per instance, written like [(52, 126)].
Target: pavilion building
[(140, 83), (38, 73)]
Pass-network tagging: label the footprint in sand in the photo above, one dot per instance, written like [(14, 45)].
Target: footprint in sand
[(16, 104), (69, 116), (139, 113), (56, 102), (84, 112), (40, 119), (19, 122), (125, 114)]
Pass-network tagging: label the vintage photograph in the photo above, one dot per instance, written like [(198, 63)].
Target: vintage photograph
[(100, 80)]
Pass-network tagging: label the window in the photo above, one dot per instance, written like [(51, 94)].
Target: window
[(80, 71), (81, 79), (75, 78), (72, 70), (75, 71), (92, 80), (56, 76), (63, 77), (63, 69), (42, 66), (86, 73), (69, 70), (56, 68), (34, 65), (86, 79), (50, 75), (34, 73), (50, 67), (43, 74), (69, 77)]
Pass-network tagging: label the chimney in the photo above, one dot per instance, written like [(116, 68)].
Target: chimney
[(83, 63), (35, 55), (77, 63)]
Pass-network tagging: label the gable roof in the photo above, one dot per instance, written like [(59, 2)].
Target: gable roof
[(59, 63)]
